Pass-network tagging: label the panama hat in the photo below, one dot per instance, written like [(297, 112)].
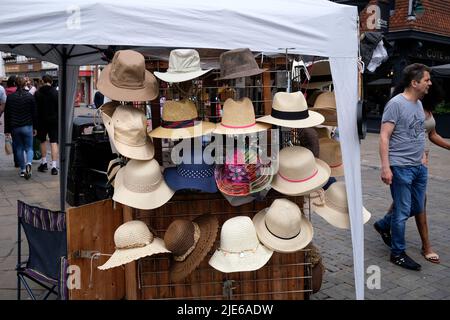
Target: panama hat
[(238, 63), (184, 65), (179, 121), (140, 185), (127, 129), (332, 206), (299, 173), (282, 227), (290, 110), (189, 242), (330, 152), (133, 240), (126, 79), (239, 118), (240, 250), (325, 104)]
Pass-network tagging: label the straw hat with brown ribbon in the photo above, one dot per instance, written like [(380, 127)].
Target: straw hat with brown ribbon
[(325, 104), (330, 152)]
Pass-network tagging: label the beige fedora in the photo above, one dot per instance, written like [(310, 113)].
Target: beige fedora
[(330, 152), (323, 131), (238, 63), (127, 129), (240, 250), (239, 118), (179, 121), (190, 242), (133, 241), (290, 110), (332, 206), (126, 79), (325, 104), (282, 227), (184, 65), (141, 185), (299, 173)]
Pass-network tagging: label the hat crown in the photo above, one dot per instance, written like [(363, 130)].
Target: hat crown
[(238, 234), (283, 219), (184, 60), (237, 61), (238, 113), (290, 102), (132, 234), (297, 163), (326, 100), (142, 176), (128, 69), (330, 151), (179, 236), (179, 110), (336, 197), (130, 126)]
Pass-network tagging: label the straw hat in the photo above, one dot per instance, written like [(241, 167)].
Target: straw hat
[(126, 79), (179, 121), (290, 110), (238, 63), (239, 118), (332, 206), (282, 227), (184, 65), (127, 129), (140, 185), (299, 172), (330, 152), (240, 249), (325, 104), (133, 241), (190, 242), (113, 167), (323, 131)]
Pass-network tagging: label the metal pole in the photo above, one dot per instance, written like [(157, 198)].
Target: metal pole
[(62, 130)]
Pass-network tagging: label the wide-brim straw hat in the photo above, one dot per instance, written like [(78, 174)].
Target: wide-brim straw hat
[(282, 227), (325, 104), (238, 63), (141, 185), (126, 79), (330, 152), (184, 65), (290, 110)]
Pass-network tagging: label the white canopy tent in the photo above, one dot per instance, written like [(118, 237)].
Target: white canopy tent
[(71, 35)]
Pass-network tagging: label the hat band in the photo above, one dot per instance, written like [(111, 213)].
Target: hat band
[(178, 124), (204, 173), (240, 253), (184, 70), (191, 248), (238, 127), (136, 245), (335, 166), (299, 180), (277, 236), (141, 188), (286, 115)]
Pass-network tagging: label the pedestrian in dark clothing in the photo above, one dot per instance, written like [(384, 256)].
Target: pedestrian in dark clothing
[(10, 89)]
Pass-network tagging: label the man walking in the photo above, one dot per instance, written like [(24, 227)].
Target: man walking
[(402, 146)]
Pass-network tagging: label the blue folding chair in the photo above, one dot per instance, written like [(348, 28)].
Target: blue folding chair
[(45, 231)]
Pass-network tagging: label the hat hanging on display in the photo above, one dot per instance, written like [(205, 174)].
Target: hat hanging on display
[(113, 167), (133, 240), (141, 185), (332, 206), (299, 173), (179, 120), (240, 250), (323, 131), (127, 129), (126, 79), (238, 63), (189, 242), (184, 65), (330, 152), (238, 117), (290, 110), (282, 227), (325, 104), (237, 201)]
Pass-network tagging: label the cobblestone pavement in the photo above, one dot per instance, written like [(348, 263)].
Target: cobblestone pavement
[(334, 244)]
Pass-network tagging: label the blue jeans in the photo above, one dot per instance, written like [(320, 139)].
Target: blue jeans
[(23, 142), (408, 189)]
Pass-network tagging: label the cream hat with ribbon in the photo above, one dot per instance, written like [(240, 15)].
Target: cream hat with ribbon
[(330, 152), (282, 227), (240, 250), (299, 173), (325, 104), (141, 185), (333, 207), (133, 241)]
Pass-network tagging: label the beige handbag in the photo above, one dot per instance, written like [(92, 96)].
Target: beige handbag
[(8, 145)]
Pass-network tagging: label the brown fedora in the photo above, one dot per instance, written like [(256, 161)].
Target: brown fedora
[(238, 63), (325, 104), (330, 152), (126, 79)]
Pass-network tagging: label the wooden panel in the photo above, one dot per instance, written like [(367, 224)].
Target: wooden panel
[(91, 227), (267, 92), (131, 288)]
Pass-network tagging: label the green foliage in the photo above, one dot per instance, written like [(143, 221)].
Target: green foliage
[(443, 107)]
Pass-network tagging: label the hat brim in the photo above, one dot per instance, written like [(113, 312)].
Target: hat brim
[(282, 245), (313, 119), (144, 201), (231, 189), (174, 77), (302, 188), (329, 114), (200, 129), (257, 127), (177, 182), (123, 256), (246, 73), (148, 92), (209, 227), (336, 218)]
